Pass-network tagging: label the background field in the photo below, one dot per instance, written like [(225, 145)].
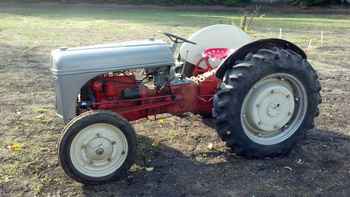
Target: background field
[(177, 148)]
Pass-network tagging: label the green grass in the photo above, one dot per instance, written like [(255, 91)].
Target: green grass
[(54, 25)]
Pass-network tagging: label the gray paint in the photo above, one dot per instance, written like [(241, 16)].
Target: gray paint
[(74, 67)]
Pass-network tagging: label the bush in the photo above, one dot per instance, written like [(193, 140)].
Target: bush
[(315, 2), (181, 2)]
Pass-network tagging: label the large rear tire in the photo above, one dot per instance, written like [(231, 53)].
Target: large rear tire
[(266, 102), (97, 147)]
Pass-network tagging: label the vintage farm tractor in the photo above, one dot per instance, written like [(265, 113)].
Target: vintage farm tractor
[(262, 94)]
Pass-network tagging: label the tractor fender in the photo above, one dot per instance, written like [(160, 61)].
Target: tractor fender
[(253, 47), (214, 36)]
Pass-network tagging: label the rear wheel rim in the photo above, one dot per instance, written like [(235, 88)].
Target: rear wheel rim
[(99, 150), (274, 108)]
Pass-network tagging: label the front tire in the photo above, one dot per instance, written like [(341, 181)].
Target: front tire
[(97, 147), (266, 102)]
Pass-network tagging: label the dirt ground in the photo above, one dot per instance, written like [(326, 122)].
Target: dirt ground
[(175, 148)]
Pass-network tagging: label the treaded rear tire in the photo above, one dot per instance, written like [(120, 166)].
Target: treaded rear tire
[(82, 121), (239, 80)]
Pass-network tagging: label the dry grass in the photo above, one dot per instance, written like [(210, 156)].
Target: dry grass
[(176, 147)]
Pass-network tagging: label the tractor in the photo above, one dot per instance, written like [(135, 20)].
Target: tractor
[(263, 95)]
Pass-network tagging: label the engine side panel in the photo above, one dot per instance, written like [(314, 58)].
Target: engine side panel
[(133, 100)]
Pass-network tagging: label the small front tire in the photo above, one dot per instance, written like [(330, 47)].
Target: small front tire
[(97, 147)]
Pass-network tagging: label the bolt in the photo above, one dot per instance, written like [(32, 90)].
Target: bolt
[(287, 96), (98, 135), (272, 91), (109, 159), (99, 151), (289, 113), (282, 79), (296, 99), (91, 162), (83, 146), (114, 142), (123, 152), (228, 132), (259, 123)]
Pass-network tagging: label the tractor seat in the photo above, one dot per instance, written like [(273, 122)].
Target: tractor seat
[(216, 53), (211, 58)]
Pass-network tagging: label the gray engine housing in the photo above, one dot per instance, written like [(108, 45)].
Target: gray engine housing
[(72, 68)]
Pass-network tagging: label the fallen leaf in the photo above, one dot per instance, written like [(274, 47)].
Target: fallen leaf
[(16, 147), (210, 146), (149, 169), (300, 161), (288, 168)]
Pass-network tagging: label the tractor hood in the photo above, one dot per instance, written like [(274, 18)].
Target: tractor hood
[(72, 68), (111, 57)]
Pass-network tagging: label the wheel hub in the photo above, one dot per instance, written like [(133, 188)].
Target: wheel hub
[(270, 106), (98, 148)]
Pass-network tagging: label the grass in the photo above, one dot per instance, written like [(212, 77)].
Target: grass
[(71, 25), (29, 31)]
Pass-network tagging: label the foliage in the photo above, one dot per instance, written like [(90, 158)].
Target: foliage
[(316, 2), (179, 2)]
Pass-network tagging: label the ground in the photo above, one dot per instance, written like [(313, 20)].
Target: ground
[(175, 157)]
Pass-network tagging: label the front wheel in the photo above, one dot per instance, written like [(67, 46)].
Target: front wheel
[(266, 102), (97, 147)]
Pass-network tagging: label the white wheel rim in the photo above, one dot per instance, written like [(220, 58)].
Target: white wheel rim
[(99, 150), (274, 109)]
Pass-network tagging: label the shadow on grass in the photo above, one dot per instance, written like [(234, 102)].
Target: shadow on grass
[(319, 165)]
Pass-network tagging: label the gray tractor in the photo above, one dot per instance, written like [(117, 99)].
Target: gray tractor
[(262, 94)]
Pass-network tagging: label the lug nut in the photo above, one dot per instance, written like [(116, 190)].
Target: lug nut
[(272, 91), (287, 95), (114, 142), (123, 152), (259, 123), (98, 135), (109, 159)]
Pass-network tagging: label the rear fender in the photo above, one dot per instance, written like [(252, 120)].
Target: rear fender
[(215, 36), (252, 47)]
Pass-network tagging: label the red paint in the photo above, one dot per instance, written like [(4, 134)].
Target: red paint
[(210, 53), (109, 93)]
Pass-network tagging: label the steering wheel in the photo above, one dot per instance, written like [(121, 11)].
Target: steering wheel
[(176, 38)]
